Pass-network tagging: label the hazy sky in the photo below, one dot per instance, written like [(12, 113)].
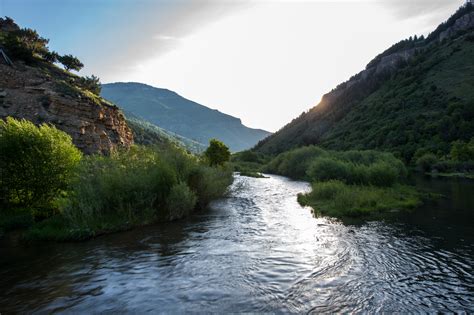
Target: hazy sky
[(262, 61)]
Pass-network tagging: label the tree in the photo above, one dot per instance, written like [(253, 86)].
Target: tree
[(25, 43), (217, 153), (36, 164), (70, 62), (462, 151), (51, 56), (91, 84)]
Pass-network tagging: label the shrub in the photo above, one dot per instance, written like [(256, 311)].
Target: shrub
[(294, 163), (36, 164), (128, 186), (140, 186), (92, 84), (337, 199), (426, 162), (381, 174), (181, 201), (324, 169), (209, 183)]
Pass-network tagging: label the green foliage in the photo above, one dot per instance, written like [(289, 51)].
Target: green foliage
[(426, 162), (209, 183), (217, 153), (36, 164), (426, 103), (462, 151), (145, 133), (128, 186), (338, 199), (352, 167), (181, 201), (25, 44), (70, 62), (91, 84), (294, 163), (140, 186)]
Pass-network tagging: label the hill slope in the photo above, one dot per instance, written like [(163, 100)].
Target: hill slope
[(177, 114), (419, 94), (33, 88), (146, 133)]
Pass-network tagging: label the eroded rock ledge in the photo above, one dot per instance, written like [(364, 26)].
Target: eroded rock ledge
[(44, 95)]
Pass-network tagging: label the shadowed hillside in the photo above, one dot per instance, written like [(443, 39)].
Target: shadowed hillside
[(417, 95), (179, 115)]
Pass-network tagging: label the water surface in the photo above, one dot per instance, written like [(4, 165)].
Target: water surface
[(258, 250)]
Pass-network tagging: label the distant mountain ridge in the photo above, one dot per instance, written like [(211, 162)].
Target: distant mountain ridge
[(418, 94), (174, 113)]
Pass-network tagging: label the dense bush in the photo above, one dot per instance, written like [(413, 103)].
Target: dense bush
[(338, 199), (181, 201), (209, 183), (426, 162), (141, 186), (36, 164), (130, 186), (294, 163), (352, 167), (91, 84)]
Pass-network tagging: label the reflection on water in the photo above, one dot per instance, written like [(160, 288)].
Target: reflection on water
[(258, 251)]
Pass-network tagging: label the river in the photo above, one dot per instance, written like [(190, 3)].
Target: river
[(258, 250)]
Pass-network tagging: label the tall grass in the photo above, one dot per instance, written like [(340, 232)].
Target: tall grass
[(347, 183), (141, 186), (338, 199)]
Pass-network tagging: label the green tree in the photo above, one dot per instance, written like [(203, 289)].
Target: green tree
[(462, 151), (217, 153), (51, 56), (25, 43), (35, 165), (91, 84), (70, 62)]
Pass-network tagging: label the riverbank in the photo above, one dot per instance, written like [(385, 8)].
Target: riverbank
[(54, 192), (344, 183)]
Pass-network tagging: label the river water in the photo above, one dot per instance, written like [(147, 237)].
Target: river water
[(258, 250)]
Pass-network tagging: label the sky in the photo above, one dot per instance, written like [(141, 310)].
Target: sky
[(263, 61)]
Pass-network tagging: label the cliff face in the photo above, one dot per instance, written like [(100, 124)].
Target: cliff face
[(43, 95)]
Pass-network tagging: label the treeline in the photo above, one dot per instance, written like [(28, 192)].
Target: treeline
[(61, 195)]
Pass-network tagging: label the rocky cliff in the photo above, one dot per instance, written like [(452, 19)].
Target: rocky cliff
[(46, 94)]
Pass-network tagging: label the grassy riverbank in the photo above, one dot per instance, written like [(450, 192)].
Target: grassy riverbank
[(52, 192), (345, 183)]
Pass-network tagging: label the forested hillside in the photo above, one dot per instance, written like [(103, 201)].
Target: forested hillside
[(418, 96)]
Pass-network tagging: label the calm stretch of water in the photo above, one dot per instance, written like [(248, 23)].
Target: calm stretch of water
[(258, 251)]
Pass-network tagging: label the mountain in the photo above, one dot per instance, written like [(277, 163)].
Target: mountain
[(34, 88), (179, 115), (146, 133), (417, 95)]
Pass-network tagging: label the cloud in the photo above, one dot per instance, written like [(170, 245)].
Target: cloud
[(405, 9), (156, 28)]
